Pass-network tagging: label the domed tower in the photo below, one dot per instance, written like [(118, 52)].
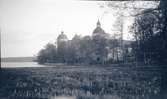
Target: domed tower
[(62, 45), (99, 43), (98, 31), (62, 38), (98, 23)]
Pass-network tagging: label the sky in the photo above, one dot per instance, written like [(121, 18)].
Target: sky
[(28, 25)]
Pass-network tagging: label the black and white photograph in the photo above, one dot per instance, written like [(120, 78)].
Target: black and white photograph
[(83, 49)]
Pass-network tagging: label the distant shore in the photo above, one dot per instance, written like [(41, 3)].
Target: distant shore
[(78, 64), (18, 59)]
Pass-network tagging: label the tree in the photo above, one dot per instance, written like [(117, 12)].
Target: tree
[(118, 42), (48, 54), (41, 58), (125, 9), (151, 39), (163, 30), (145, 33), (0, 44), (163, 54)]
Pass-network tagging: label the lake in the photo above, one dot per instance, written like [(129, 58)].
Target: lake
[(20, 64)]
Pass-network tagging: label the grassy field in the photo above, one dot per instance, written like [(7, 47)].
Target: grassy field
[(79, 82)]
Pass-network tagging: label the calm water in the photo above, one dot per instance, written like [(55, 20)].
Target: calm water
[(20, 64)]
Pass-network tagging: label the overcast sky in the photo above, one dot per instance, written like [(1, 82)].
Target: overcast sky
[(27, 25)]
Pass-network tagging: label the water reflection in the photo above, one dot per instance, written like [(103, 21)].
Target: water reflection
[(20, 64)]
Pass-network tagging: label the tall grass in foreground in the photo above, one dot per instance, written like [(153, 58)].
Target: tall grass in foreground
[(78, 82)]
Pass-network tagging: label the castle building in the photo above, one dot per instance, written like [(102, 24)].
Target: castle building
[(98, 32), (104, 51), (103, 47), (62, 38), (99, 44), (62, 44)]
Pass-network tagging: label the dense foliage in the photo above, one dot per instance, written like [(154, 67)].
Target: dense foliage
[(150, 32)]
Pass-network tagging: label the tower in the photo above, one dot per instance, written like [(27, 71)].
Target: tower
[(62, 44), (62, 38), (98, 23), (99, 43), (98, 31)]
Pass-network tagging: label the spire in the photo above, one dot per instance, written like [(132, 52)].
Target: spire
[(98, 23), (62, 32), (62, 36)]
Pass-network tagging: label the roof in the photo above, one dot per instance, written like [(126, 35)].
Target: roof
[(98, 22), (98, 30), (62, 36)]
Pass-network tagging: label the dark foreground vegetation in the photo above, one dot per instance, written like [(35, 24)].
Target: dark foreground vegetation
[(80, 82)]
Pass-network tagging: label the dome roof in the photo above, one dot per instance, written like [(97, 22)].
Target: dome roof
[(62, 36), (98, 30)]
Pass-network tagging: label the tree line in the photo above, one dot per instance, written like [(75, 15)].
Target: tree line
[(150, 33)]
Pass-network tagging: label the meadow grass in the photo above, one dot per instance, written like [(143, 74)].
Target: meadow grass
[(79, 82)]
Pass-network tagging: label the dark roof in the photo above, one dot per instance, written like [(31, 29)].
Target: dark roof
[(62, 36), (98, 22), (98, 30)]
